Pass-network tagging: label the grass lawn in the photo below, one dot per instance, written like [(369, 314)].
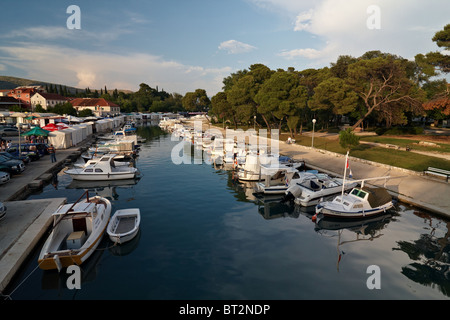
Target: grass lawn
[(397, 158), (403, 142)]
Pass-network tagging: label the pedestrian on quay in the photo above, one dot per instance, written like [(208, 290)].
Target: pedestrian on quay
[(52, 151)]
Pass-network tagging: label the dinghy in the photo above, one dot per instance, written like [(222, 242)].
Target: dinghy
[(124, 225)]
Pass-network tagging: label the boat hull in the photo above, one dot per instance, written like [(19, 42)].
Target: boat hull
[(103, 177), (67, 259), (334, 213)]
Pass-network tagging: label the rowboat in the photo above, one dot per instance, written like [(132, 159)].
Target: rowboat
[(124, 225), (77, 230)]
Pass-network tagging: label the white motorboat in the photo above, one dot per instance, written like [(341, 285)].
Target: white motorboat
[(360, 202), (77, 230), (103, 169), (124, 225), (250, 170), (315, 187), (274, 179), (318, 187)]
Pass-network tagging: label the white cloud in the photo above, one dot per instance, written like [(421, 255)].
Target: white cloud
[(303, 20), (339, 27), (83, 69), (234, 47)]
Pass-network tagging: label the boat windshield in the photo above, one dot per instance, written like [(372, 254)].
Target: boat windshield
[(359, 193)]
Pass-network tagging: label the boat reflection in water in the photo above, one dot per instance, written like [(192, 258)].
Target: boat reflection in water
[(367, 229), (125, 248), (106, 189), (54, 280)]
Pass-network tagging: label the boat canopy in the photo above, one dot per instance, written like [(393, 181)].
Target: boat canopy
[(377, 196)]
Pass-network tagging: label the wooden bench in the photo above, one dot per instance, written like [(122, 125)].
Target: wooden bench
[(438, 172)]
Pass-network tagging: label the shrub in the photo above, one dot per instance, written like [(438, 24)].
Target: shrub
[(348, 139)]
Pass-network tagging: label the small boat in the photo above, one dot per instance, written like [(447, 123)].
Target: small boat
[(275, 179), (124, 225), (314, 187), (360, 202), (103, 169), (250, 170), (77, 230)]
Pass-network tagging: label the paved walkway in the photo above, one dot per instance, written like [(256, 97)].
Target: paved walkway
[(430, 194), (26, 221)]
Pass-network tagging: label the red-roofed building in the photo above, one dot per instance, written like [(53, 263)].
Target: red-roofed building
[(47, 100), (24, 94), (99, 106)]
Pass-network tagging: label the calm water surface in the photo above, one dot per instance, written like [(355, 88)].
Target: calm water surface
[(204, 236)]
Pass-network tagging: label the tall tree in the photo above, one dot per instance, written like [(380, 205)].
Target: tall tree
[(335, 96), (380, 81), (196, 101), (244, 86), (280, 97), (438, 59), (222, 108)]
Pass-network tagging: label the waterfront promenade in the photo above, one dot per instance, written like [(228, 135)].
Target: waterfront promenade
[(414, 188)]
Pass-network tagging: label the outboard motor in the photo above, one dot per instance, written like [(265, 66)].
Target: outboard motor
[(292, 192)]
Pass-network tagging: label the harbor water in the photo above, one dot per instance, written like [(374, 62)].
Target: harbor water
[(205, 236)]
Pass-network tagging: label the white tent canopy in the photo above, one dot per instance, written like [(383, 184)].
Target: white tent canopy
[(61, 139)]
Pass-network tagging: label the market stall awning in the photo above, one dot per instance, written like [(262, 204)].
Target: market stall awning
[(36, 131)]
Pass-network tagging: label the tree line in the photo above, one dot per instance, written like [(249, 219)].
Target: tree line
[(374, 89)]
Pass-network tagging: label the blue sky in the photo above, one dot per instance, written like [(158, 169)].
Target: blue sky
[(183, 45)]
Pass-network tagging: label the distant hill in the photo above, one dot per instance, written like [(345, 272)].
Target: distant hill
[(7, 82)]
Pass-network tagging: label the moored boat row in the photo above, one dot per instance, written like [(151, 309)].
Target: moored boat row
[(343, 198)]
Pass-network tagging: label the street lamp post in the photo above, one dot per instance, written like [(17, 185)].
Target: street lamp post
[(312, 142)]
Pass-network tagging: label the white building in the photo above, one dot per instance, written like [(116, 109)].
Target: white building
[(47, 100)]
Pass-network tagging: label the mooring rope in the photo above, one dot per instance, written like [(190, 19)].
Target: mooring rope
[(8, 296)]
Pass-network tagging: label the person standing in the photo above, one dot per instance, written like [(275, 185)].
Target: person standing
[(52, 151)]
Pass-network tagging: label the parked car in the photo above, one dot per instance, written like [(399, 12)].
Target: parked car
[(2, 210), (4, 177), (11, 166), (25, 150), (8, 131), (25, 158)]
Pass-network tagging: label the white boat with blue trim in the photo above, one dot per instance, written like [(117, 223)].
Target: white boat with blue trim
[(360, 202)]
